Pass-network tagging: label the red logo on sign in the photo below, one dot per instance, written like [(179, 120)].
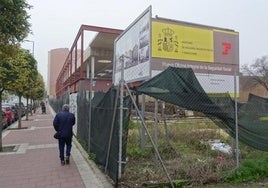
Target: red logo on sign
[(227, 47)]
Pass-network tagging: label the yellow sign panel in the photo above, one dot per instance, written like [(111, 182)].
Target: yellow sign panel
[(180, 42)]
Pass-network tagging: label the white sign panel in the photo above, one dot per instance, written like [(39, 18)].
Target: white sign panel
[(132, 51), (215, 83)]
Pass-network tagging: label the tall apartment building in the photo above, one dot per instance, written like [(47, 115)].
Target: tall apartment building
[(56, 59)]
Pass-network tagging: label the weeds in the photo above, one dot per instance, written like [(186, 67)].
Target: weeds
[(250, 170), (186, 157)]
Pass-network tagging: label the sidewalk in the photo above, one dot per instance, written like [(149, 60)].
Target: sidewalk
[(35, 162)]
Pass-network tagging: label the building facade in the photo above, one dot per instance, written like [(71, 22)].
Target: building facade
[(56, 59), (248, 86)]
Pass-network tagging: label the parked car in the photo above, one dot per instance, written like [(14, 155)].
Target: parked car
[(4, 120), (22, 107), (9, 114), (14, 109)]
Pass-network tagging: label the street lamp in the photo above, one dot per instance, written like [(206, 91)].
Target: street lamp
[(36, 64), (33, 45)]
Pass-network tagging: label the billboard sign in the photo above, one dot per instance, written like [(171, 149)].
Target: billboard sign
[(150, 45), (212, 53), (180, 42), (132, 51)]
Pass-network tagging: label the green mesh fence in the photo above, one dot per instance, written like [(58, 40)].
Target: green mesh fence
[(104, 128), (180, 87), (182, 140)]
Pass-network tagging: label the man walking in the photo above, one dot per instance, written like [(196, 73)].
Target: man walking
[(63, 123)]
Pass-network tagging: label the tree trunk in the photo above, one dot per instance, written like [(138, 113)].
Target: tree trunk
[(31, 107), (34, 106), (1, 123), (19, 122), (27, 109)]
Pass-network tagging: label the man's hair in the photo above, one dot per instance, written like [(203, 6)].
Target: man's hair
[(65, 107)]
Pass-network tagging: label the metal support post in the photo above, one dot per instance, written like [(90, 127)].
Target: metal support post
[(236, 123)]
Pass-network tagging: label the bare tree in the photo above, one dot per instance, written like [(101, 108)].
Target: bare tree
[(258, 71)]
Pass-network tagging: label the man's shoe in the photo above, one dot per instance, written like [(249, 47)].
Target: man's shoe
[(67, 160), (62, 163)]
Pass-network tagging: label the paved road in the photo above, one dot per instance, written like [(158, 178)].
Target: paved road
[(35, 163)]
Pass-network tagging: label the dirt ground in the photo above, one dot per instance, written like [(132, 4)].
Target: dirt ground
[(261, 184)]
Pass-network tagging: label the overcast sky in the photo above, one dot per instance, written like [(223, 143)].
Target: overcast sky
[(56, 23)]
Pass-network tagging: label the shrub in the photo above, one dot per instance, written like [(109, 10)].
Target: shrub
[(250, 170)]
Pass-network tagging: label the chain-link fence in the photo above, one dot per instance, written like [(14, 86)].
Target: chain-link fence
[(57, 104), (187, 135), (192, 148), (98, 126), (173, 131)]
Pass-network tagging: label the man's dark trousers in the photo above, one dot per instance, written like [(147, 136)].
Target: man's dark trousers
[(62, 142)]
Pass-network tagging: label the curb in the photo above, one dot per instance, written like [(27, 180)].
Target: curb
[(102, 178), (105, 180)]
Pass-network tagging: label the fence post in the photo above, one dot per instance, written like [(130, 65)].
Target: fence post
[(142, 128), (121, 117), (156, 129), (236, 123), (92, 75), (150, 137)]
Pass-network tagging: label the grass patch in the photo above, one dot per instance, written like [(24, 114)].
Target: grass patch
[(263, 118), (184, 154), (8, 149), (250, 170), (16, 128)]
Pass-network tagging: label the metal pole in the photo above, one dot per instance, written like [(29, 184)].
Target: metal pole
[(32, 44), (33, 48), (111, 131), (156, 129), (142, 128), (121, 118), (92, 75), (150, 137), (236, 123)]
